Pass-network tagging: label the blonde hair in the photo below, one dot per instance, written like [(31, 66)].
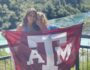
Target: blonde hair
[(44, 19)]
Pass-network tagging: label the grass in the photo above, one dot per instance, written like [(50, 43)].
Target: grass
[(83, 66), (5, 64)]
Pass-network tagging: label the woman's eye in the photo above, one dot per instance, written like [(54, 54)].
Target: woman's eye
[(31, 15)]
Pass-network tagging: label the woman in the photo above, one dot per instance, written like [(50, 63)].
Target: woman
[(29, 21), (42, 22)]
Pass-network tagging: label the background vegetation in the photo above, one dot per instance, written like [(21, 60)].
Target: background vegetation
[(12, 11)]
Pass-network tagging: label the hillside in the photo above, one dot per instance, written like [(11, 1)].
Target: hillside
[(12, 11)]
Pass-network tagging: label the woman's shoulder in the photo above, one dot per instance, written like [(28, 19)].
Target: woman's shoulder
[(52, 27), (19, 27)]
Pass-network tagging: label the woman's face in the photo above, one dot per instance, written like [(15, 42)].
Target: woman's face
[(41, 22), (40, 19), (31, 18)]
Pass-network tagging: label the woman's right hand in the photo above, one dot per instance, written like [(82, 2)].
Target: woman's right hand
[(20, 27), (3, 33)]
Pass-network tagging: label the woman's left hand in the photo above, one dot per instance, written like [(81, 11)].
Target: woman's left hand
[(42, 27)]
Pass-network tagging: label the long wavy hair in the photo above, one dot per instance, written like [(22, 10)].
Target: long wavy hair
[(25, 21), (44, 19)]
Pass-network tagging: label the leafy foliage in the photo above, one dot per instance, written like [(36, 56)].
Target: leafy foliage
[(12, 11)]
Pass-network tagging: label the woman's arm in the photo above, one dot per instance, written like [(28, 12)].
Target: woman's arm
[(52, 27)]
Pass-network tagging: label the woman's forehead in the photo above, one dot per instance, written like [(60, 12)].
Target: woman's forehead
[(40, 15)]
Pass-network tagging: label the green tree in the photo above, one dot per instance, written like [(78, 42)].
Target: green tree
[(12, 11)]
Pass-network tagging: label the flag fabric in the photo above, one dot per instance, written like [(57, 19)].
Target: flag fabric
[(53, 50)]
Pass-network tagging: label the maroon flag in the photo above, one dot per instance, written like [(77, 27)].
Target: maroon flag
[(52, 50)]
